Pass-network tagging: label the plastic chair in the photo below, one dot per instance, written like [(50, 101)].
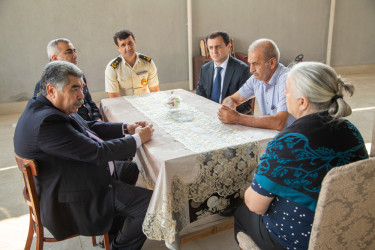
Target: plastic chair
[(29, 169)]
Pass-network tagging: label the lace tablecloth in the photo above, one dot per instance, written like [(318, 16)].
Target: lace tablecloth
[(194, 163)]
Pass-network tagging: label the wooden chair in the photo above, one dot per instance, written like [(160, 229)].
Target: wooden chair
[(345, 212), (29, 169)]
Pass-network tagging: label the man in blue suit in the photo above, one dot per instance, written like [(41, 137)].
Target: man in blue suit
[(78, 184), (232, 72)]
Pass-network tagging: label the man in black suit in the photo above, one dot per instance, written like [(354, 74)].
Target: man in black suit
[(77, 184), (62, 49), (233, 73)]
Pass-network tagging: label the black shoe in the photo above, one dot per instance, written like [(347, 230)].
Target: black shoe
[(101, 243), (110, 236)]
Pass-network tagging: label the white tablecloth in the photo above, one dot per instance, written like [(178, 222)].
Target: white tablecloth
[(188, 161)]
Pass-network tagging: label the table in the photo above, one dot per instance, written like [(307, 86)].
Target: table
[(195, 168)]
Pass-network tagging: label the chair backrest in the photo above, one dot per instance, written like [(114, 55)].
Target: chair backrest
[(345, 213), (29, 169)]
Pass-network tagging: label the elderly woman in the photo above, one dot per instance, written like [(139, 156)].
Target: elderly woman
[(281, 201)]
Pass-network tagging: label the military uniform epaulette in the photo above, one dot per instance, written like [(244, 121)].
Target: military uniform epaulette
[(146, 58), (116, 62)]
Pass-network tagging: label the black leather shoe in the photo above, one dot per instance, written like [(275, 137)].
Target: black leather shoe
[(110, 236), (101, 243)]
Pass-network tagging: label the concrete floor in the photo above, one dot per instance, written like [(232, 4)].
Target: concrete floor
[(14, 216)]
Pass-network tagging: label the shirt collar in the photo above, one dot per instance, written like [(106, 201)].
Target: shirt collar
[(136, 59), (275, 76), (223, 65)]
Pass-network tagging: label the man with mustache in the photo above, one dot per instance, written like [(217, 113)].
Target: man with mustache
[(79, 187), (62, 49), (131, 73), (267, 84)]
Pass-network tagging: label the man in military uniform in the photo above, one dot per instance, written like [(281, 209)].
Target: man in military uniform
[(62, 49), (131, 73)]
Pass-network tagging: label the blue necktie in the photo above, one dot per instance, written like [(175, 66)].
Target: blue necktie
[(216, 90)]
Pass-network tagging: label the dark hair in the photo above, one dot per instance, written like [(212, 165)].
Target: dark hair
[(56, 73), (223, 34), (122, 34)]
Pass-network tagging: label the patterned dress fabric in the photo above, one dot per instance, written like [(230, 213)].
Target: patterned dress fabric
[(292, 170)]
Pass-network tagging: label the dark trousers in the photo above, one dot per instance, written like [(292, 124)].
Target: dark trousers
[(252, 224), (131, 204)]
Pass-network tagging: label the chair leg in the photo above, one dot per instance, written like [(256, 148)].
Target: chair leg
[(39, 237), (39, 243), (106, 242), (30, 234), (93, 239)]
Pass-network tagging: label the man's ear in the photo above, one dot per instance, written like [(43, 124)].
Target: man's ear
[(51, 90), (272, 62), (54, 58)]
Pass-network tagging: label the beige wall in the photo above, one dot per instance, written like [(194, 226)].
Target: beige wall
[(27, 26), (297, 26), (354, 33)]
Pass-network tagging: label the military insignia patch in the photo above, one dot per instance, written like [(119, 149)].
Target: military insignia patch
[(146, 58), (141, 72), (116, 62)]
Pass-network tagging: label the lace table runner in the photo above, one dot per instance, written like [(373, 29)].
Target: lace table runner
[(201, 134)]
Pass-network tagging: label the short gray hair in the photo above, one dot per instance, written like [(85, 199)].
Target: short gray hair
[(320, 84), (56, 73), (52, 48), (270, 49)]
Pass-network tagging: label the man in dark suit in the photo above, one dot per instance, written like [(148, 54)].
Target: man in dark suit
[(62, 49), (233, 73), (77, 183)]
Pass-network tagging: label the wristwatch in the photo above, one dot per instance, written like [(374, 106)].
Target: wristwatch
[(125, 128)]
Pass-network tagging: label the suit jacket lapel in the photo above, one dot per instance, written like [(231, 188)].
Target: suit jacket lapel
[(228, 76), (80, 124), (210, 78)]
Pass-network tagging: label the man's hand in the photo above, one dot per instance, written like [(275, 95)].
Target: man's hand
[(228, 115), (132, 126), (142, 124), (145, 133)]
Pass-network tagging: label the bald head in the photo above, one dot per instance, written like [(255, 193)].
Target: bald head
[(269, 48)]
